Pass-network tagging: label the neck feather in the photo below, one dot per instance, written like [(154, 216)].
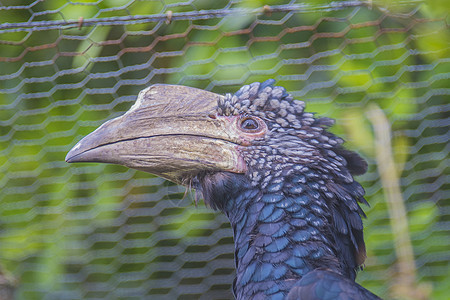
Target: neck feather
[(284, 229)]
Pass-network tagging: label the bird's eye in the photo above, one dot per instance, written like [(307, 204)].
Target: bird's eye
[(249, 124)]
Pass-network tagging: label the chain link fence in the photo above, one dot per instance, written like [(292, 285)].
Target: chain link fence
[(92, 231)]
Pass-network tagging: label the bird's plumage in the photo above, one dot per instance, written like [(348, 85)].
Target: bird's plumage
[(328, 285), (290, 197)]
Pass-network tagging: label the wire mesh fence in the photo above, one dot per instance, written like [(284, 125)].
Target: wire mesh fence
[(105, 231)]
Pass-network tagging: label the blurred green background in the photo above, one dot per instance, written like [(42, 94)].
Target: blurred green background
[(91, 231)]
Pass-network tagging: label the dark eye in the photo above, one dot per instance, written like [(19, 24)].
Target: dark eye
[(249, 124)]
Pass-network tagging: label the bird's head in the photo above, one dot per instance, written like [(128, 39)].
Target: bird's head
[(255, 154), (258, 139), (179, 132)]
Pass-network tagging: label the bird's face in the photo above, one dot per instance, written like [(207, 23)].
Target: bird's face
[(290, 136), (174, 132), (177, 132)]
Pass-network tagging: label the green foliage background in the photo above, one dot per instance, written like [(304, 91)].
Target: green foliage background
[(96, 231)]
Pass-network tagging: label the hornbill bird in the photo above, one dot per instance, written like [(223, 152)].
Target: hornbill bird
[(285, 182)]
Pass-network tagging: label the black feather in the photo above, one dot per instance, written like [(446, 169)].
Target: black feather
[(295, 213)]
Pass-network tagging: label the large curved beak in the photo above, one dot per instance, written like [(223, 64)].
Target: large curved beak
[(171, 131)]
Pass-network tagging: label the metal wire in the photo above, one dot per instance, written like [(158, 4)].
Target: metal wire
[(190, 15), (103, 231)]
